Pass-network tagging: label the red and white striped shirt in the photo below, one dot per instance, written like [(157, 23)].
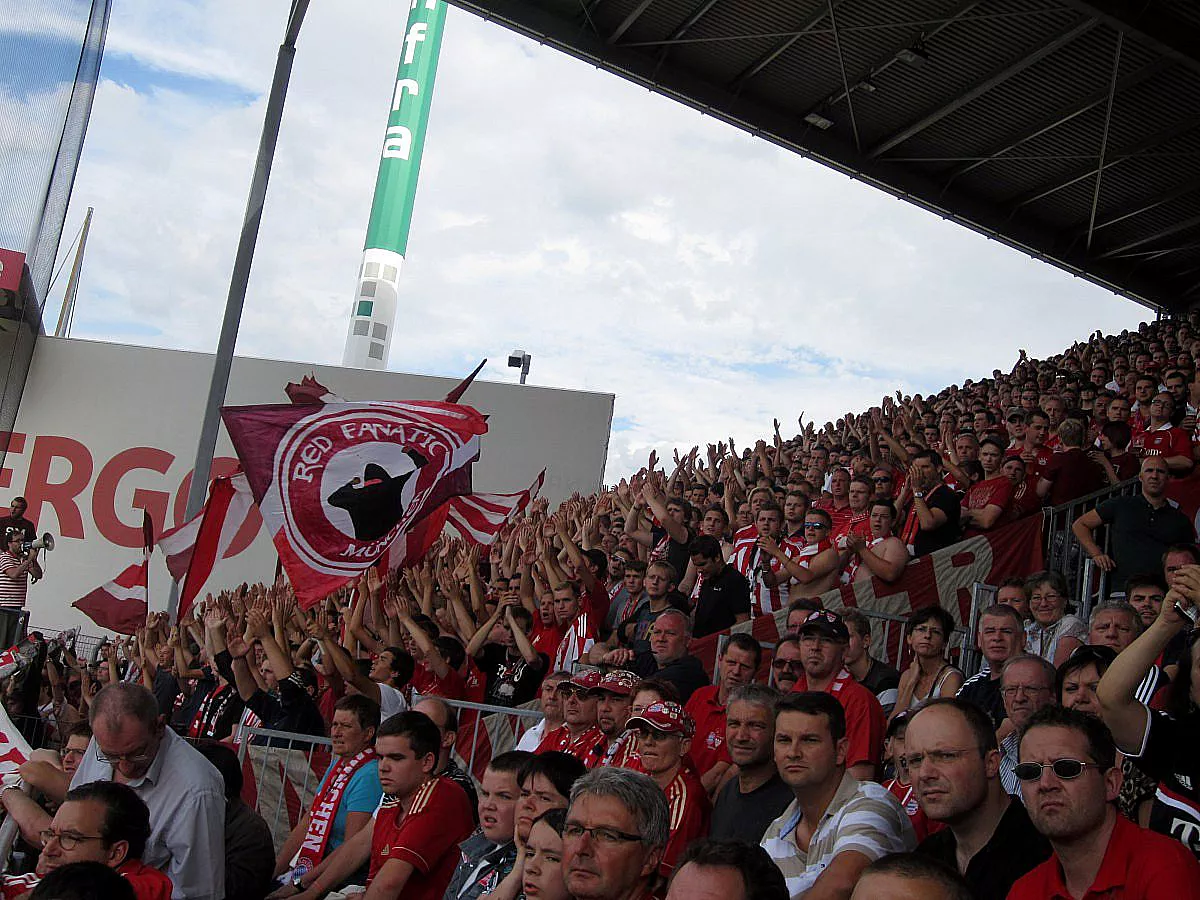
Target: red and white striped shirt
[(576, 641), (13, 584), (752, 561)]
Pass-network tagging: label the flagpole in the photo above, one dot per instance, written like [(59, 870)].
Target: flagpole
[(241, 272)]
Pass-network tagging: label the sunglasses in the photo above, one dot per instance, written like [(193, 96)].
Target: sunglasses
[(1066, 769)]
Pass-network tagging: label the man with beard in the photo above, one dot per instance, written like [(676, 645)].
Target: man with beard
[(823, 640), (954, 762), (614, 696), (1070, 781), (750, 802)]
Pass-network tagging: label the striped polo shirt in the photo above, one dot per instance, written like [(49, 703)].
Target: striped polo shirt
[(862, 816), (13, 587)]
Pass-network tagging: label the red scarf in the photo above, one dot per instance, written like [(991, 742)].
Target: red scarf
[(202, 726), (324, 810)]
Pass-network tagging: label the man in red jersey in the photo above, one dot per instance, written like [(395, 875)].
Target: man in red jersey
[(737, 666), (1070, 781), (664, 735), (823, 639), (413, 844), (1161, 438), (579, 734)]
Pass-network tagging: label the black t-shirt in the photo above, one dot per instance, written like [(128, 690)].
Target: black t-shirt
[(721, 599), (1141, 534), (686, 673), (510, 682), (884, 682), (746, 817), (166, 689), (665, 547), (984, 691), (941, 497), (1170, 756), (1014, 848)]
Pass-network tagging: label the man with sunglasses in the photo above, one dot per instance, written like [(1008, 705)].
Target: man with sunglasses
[(579, 735), (951, 753), (183, 790), (1070, 780), (786, 664)]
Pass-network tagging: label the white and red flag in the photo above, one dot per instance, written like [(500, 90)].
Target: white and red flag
[(228, 517), (122, 604), (338, 484), (480, 517)]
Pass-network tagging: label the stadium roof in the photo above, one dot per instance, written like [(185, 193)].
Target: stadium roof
[(1067, 129)]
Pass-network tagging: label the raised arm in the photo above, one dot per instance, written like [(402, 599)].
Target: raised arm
[(1125, 715)]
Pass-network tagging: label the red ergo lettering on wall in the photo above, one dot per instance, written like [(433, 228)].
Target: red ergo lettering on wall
[(60, 472)]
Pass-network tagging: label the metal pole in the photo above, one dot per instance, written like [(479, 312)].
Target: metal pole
[(241, 272), (525, 367)]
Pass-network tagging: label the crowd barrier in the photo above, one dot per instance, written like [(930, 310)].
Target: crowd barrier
[(282, 770), (1087, 584)]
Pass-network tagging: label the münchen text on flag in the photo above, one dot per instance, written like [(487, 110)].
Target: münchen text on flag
[(121, 604), (338, 484), (480, 517)]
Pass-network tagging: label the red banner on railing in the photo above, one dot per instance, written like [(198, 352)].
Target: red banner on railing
[(945, 577)]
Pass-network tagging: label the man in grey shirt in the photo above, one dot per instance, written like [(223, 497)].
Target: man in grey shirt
[(184, 792)]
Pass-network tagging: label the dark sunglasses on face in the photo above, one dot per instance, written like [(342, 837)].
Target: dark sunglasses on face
[(1066, 769)]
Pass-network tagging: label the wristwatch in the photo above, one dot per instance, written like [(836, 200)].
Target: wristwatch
[(920, 495)]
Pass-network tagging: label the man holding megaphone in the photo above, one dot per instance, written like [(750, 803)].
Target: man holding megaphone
[(18, 565)]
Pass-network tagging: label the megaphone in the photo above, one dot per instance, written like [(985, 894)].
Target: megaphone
[(45, 542)]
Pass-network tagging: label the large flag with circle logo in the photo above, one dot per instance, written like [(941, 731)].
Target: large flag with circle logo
[(339, 484)]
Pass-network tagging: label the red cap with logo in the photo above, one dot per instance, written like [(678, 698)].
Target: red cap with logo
[(665, 716), (619, 681)]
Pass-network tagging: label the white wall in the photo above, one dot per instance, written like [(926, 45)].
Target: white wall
[(106, 430)]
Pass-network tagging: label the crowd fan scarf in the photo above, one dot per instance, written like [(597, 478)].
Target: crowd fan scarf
[(324, 810)]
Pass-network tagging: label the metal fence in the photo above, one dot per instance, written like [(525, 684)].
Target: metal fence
[(285, 769), (1087, 584)]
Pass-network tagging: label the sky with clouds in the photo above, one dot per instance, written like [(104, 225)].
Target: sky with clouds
[(710, 280)]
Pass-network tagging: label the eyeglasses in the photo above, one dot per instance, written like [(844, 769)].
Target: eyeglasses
[(881, 480), (1014, 689), (68, 840), (1066, 769), (601, 834), (815, 525), (142, 756), (937, 757), (792, 665)]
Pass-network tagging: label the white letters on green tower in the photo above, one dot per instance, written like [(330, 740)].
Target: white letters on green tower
[(373, 315)]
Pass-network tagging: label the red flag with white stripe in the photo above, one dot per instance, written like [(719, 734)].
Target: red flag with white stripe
[(229, 504), (235, 508), (121, 604), (480, 517)]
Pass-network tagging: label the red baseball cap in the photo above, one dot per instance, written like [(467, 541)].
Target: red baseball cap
[(586, 679), (619, 681), (665, 716)]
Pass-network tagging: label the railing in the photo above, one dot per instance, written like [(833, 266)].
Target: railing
[(285, 769), (1064, 554)]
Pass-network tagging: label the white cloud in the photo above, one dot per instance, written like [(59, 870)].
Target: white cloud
[(708, 279)]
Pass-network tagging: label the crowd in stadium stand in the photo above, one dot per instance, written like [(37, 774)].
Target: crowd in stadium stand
[(1066, 766)]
